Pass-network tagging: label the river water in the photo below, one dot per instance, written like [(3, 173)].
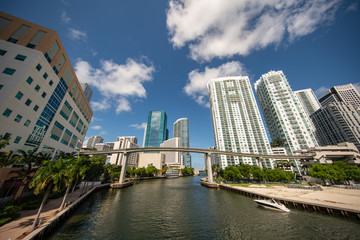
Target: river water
[(183, 209)]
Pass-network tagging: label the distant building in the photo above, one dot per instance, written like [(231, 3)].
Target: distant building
[(237, 123), (156, 130), (308, 100), (87, 91), (283, 113), (123, 143), (111, 145), (172, 157), (344, 93), (42, 105), (94, 140), (151, 159), (337, 122), (282, 163), (181, 130)]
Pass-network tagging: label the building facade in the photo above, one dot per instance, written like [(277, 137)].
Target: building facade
[(156, 129), (237, 123), (123, 143), (344, 93), (337, 122), (172, 157), (94, 140), (181, 130), (283, 113), (42, 104), (87, 91)]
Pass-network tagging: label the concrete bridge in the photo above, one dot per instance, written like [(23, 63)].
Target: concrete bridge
[(206, 152)]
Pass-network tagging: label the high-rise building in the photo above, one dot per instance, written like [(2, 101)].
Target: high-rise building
[(344, 93), (123, 143), (181, 130), (156, 130), (87, 91), (42, 105), (336, 123), (237, 123), (172, 157), (94, 140), (283, 114)]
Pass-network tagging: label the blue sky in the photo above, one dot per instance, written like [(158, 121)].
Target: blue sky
[(144, 55)]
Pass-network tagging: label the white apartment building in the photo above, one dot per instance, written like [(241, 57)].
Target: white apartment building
[(123, 143), (42, 105), (93, 140), (283, 113), (172, 157), (237, 123)]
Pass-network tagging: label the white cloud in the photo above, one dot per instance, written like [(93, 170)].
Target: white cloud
[(116, 82), (320, 91), (139, 126), (65, 18), (103, 133), (77, 34), (196, 87), (217, 28), (96, 127)]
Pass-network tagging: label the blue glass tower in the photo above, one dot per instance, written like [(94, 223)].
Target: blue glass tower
[(156, 129)]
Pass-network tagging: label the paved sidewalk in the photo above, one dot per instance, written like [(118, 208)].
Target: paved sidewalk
[(14, 229)]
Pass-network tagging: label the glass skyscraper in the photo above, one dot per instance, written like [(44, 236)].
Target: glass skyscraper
[(237, 123), (181, 130), (156, 130)]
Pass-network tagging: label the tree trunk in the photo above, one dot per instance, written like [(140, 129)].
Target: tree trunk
[(75, 183), (41, 207), (65, 196)]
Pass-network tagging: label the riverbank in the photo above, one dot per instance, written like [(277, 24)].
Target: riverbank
[(330, 198), (17, 228)]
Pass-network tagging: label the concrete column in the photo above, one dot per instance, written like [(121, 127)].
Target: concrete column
[(260, 162), (123, 167), (209, 167)]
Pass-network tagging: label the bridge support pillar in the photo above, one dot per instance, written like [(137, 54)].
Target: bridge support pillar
[(123, 167), (209, 167)]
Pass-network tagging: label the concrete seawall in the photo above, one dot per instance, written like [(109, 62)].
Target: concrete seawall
[(304, 205), (44, 230)]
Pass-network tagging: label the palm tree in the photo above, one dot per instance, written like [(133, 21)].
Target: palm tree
[(50, 176)]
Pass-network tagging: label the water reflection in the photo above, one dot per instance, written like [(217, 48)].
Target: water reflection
[(182, 209)]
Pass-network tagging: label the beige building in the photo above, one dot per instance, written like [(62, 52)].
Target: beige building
[(151, 159), (346, 152), (123, 143), (172, 157)]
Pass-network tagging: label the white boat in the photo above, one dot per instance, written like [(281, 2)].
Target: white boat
[(272, 204), (171, 173)]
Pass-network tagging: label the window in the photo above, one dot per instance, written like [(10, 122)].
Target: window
[(51, 82), (19, 95), (1, 86), (27, 123), (2, 52), (9, 71), (45, 75), (29, 80), (7, 112), (36, 108), (28, 102), (53, 136), (18, 118), (37, 88), (20, 57), (17, 139), (38, 67), (12, 40), (43, 95), (7, 136)]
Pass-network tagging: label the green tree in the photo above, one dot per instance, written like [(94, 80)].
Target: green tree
[(50, 176), (112, 172), (257, 173), (277, 143), (151, 171), (245, 170)]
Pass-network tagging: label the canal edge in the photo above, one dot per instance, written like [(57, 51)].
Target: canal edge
[(44, 230), (302, 205)]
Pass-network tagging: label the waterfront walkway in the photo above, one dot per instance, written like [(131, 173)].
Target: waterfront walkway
[(14, 229)]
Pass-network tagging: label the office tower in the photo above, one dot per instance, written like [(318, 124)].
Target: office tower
[(156, 129), (283, 114), (181, 130), (337, 122), (42, 105), (94, 140), (87, 91), (237, 123), (123, 143), (344, 93), (172, 157)]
